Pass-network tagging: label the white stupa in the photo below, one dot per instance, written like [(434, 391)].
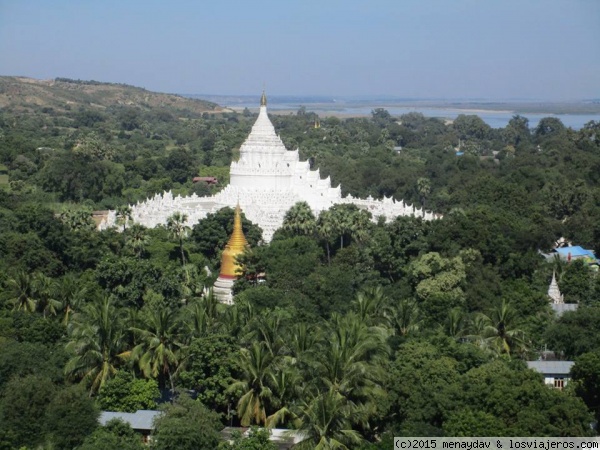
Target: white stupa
[(554, 292), (266, 182)]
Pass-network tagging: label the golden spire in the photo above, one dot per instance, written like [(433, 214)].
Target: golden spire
[(236, 246), (263, 99)]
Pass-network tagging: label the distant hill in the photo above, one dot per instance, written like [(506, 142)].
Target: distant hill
[(20, 94)]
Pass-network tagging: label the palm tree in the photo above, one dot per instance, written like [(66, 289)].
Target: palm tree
[(456, 324), (423, 189), (268, 329), (303, 339), (477, 330), (237, 319), (70, 294), (157, 354), (256, 367), (98, 342), (503, 331), (22, 294), (178, 230), (405, 319), (326, 230), (348, 363), (45, 288), (300, 220), (192, 286), (286, 382), (361, 225), (123, 215), (137, 239), (202, 316), (371, 305), (326, 421)]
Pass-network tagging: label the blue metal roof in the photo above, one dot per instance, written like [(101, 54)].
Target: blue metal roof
[(575, 251)]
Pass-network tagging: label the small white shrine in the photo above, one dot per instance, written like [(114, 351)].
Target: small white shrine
[(554, 292), (266, 182)]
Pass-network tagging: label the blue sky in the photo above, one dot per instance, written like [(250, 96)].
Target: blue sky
[(496, 49)]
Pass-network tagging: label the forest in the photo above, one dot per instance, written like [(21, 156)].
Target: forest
[(349, 330)]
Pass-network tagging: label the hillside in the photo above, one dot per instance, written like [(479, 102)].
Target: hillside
[(20, 94)]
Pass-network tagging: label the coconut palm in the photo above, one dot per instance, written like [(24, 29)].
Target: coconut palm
[(371, 306), (456, 324), (22, 292), (348, 362), (237, 319), (286, 383), (477, 330), (157, 354), (256, 368), (303, 339), (502, 331), (202, 316), (45, 288), (405, 318), (192, 287), (300, 220), (70, 294), (326, 422), (97, 338), (268, 328), (178, 230)]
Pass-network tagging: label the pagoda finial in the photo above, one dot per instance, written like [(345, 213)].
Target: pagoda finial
[(263, 99)]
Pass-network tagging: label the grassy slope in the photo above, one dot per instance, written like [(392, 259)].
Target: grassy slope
[(21, 94)]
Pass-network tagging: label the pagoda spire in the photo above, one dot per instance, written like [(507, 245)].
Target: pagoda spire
[(235, 246), (263, 99), (554, 291), (230, 269)]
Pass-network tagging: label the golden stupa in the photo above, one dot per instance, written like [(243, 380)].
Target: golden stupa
[(235, 247)]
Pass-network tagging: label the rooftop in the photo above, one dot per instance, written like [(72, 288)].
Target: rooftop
[(576, 252), (551, 367), (142, 419)]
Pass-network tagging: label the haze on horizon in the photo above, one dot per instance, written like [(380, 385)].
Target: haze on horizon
[(510, 49)]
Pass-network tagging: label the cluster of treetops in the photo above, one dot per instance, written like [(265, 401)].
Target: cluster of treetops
[(349, 330)]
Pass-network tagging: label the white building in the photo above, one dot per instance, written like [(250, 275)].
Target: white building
[(266, 181), (556, 373)]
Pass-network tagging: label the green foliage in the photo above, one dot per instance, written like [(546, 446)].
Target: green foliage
[(212, 362), (23, 409), (586, 379), (257, 439), (127, 394), (575, 333), (115, 434), (186, 425), (576, 282), (343, 307), (70, 417), (19, 359), (212, 233)]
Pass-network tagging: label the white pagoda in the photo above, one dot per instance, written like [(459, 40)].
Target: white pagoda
[(266, 182), (554, 292)]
